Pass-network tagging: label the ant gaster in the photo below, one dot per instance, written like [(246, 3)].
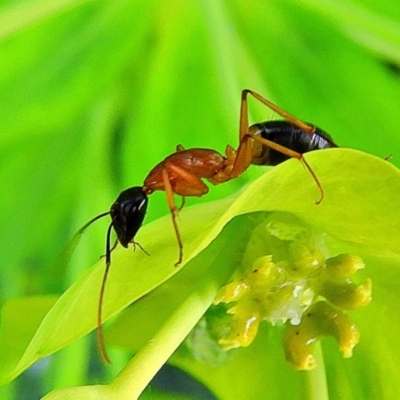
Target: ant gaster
[(181, 173)]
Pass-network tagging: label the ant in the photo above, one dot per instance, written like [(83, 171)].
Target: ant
[(181, 173)]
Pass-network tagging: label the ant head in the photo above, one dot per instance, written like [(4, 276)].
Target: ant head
[(127, 213)]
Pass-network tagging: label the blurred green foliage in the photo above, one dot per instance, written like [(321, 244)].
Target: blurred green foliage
[(94, 93)]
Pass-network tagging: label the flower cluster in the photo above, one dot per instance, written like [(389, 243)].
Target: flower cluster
[(303, 290)]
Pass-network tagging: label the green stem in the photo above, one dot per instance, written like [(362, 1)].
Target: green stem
[(134, 378), (316, 386)]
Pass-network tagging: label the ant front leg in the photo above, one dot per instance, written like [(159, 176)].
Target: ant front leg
[(174, 211), (140, 247), (185, 184)]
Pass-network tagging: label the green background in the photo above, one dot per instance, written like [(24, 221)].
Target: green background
[(93, 94)]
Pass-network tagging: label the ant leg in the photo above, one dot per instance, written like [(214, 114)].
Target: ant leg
[(185, 184), (182, 204), (140, 247), (244, 152), (174, 211), (293, 154), (179, 147), (388, 157), (295, 121)]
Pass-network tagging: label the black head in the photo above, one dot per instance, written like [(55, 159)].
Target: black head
[(127, 213)]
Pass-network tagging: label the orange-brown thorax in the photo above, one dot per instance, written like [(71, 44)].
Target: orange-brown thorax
[(186, 168)]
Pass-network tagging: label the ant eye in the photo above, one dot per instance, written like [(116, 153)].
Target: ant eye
[(128, 208)]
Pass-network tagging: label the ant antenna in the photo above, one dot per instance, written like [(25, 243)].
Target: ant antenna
[(100, 335), (81, 230)]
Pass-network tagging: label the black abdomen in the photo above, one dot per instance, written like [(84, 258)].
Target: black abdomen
[(290, 136)]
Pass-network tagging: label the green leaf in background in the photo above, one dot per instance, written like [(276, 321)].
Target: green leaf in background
[(95, 93)]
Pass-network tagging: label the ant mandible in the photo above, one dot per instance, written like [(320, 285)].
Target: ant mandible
[(181, 173)]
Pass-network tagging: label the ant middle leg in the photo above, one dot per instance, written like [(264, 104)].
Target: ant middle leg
[(183, 201)]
